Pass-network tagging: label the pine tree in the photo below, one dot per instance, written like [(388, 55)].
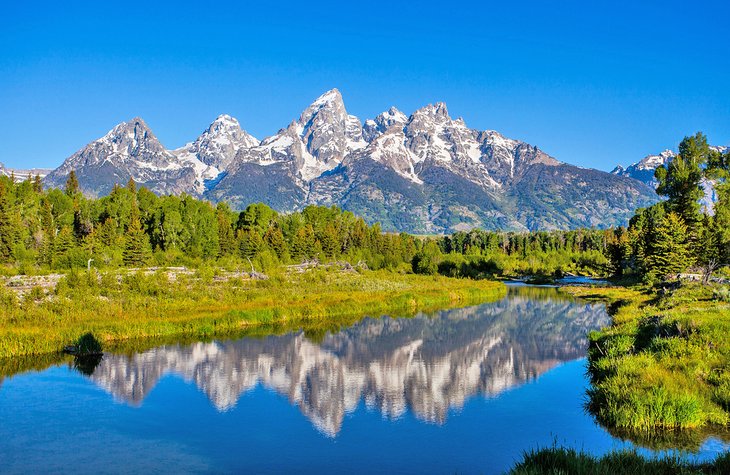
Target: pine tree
[(62, 245), (330, 241), (250, 244), (226, 238), (708, 247), (137, 249), (37, 184), (304, 243), (681, 180), (72, 184), (274, 238), (107, 234), (7, 231), (671, 253)]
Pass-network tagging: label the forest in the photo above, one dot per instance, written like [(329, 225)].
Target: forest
[(43, 230), (57, 230)]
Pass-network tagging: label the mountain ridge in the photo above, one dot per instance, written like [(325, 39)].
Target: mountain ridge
[(425, 173)]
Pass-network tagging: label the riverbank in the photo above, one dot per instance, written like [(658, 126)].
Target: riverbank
[(556, 461), (119, 306), (664, 363)]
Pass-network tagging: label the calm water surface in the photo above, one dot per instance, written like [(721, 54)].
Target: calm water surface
[(459, 391)]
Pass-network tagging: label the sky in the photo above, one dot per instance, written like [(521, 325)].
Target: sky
[(594, 84)]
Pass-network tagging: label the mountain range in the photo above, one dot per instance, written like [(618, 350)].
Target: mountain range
[(423, 173)]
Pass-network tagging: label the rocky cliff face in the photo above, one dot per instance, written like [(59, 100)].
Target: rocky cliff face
[(427, 173)]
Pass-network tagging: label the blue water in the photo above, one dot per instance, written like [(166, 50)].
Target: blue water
[(462, 391)]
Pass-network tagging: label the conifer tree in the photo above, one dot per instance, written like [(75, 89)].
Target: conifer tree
[(671, 253), (251, 243), (226, 238), (274, 238), (7, 231), (680, 181), (330, 241), (72, 184), (62, 245), (304, 243), (137, 249), (37, 184), (708, 247), (108, 234)]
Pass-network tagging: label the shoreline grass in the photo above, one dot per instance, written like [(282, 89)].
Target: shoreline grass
[(139, 306), (558, 461), (664, 362)]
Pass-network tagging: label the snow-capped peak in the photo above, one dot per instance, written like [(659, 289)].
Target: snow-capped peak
[(333, 95), (385, 120), (219, 143), (651, 162), (438, 112)]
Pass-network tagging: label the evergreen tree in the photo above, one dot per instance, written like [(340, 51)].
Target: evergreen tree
[(304, 243), (137, 250), (63, 244), (7, 231), (671, 254), (72, 184), (226, 238), (108, 234), (274, 238), (681, 180), (330, 241), (251, 243), (618, 250), (37, 184), (709, 251)]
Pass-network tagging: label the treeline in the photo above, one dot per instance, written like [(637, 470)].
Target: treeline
[(680, 234), (133, 227), (542, 254)]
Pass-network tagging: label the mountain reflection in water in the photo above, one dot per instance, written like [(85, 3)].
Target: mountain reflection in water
[(425, 364)]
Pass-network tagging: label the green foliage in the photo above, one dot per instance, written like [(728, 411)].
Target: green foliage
[(88, 344), (120, 305), (674, 235), (557, 461), (671, 253), (133, 227), (426, 261), (681, 180), (663, 362), (137, 251)]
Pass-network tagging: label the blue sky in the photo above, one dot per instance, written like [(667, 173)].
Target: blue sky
[(591, 83)]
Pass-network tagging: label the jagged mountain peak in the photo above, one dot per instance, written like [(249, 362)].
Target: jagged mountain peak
[(133, 138), (215, 149), (329, 97), (437, 112), (382, 122), (224, 121), (329, 104)]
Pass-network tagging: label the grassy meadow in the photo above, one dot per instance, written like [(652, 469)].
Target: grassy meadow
[(117, 306), (664, 363)]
